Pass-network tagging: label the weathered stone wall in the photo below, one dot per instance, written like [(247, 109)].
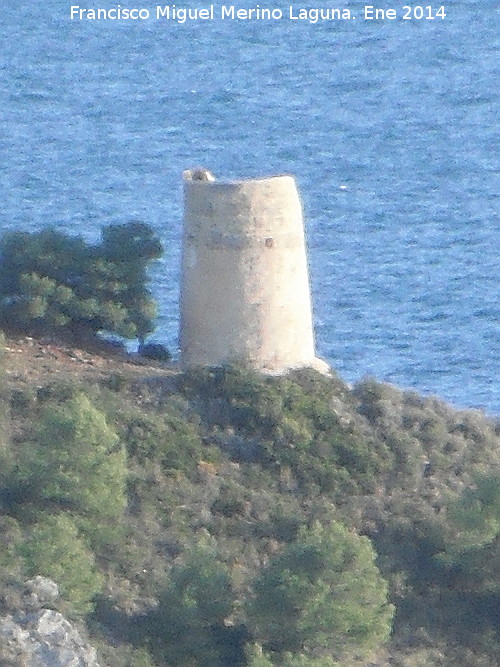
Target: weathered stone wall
[(245, 289)]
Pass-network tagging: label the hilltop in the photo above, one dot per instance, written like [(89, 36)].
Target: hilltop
[(168, 506), (30, 361)]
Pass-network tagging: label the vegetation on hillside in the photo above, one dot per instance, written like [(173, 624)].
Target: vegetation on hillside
[(222, 518)]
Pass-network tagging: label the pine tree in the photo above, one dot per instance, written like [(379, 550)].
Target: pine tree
[(323, 595), (51, 283)]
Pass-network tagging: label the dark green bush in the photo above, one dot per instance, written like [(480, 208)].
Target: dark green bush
[(168, 438), (57, 392), (188, 627), (51, 283), (117, 382), (231, 500)]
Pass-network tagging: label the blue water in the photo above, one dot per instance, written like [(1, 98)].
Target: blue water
[(99, 119)]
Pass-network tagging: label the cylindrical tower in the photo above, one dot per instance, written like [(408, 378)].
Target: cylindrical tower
[(245, 293)]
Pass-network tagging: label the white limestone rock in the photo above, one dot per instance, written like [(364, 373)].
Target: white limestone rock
[(39, 637)]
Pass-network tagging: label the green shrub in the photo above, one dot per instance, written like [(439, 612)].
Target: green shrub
[(255, 656), (54, 549), (188, 629), (117, 382), (296, 426), (169, 438), (75, 462), (231, 500), (476, 514), (323, 595)]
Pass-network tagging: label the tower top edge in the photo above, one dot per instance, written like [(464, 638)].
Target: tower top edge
[(203, 176)]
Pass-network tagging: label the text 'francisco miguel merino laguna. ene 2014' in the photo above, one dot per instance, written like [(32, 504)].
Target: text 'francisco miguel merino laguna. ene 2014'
[(210, 12)]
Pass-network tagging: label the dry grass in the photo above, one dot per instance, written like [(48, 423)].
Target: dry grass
[(31, 362)]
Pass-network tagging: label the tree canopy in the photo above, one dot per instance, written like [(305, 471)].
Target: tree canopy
[(54, 548), (75, 461), (187, 628), (323, 594), (52, 283)]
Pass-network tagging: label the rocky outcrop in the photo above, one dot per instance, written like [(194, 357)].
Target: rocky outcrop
[(35, 636)]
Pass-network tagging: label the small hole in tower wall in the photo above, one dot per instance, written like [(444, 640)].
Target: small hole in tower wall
[(269, 243)]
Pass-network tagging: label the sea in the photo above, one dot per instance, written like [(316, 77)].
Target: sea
[(388, 119)]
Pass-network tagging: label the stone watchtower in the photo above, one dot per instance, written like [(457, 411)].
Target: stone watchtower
[(245, 293)]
